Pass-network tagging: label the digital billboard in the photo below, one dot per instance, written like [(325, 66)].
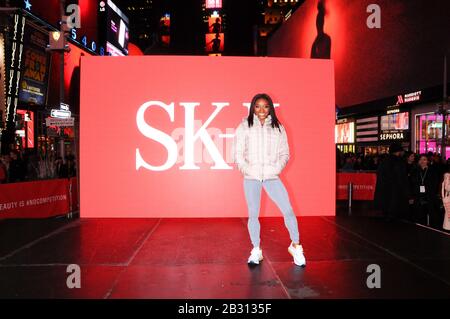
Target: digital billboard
[(115, 36), (214, 42), (396, 121), (345, 133)]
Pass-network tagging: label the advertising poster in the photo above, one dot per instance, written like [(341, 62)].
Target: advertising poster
[(33, 83)]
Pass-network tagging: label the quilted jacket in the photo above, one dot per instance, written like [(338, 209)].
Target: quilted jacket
[(260, 152)]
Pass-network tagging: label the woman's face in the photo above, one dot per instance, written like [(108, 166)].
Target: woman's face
[(262, 108)]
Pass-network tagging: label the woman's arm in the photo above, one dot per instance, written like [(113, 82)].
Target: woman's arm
[(240, 149), (283, 151)]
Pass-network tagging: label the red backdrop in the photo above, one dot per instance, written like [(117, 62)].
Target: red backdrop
[(114, 89), (405, 55)]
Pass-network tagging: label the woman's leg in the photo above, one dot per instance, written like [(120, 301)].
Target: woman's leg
[(278, 193), (252, 190)]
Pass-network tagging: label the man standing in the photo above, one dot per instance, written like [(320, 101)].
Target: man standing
[(392, 189), (425, 189)]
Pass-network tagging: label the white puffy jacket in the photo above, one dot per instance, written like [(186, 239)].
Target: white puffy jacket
[(260, 152)]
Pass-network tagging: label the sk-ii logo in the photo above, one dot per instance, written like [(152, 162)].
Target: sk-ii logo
[(201, 143)]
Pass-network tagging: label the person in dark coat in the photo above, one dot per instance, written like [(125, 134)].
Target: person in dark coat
[(392, 191), (16, 171), (410, 162), (425, 183)]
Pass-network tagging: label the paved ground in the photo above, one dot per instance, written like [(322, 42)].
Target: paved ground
[(206, 258)]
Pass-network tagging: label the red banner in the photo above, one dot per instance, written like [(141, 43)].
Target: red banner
[(37, 199), (363, 185)]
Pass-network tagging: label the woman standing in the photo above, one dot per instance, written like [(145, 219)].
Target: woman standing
[(261, 152)]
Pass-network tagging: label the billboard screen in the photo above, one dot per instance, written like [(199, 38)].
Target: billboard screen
[(345, 133), (396, 121), (33, 83), (214, 42)]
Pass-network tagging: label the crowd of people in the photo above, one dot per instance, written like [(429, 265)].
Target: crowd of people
[(351, 162), (409, 186), (22, 166)]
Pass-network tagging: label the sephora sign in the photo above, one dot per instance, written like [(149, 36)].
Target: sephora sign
[(157, 134)]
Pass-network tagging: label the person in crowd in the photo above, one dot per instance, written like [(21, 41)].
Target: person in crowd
[(410, 162), (16, 171), (58, 164), (68, 169), (3, 170), (372, 163), (447, 164), (392, 191), (338, 159), (425, 183), (438, 165), (359, 164), (32, 167), (348, 166)]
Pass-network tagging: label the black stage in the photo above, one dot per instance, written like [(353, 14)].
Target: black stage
[(206, 258)]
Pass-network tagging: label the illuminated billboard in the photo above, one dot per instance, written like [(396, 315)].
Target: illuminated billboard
[(214, 42), (114, 29), (164, 29), (33, 82), (396, 121), (213, 4), (215, 24), (345, 133)]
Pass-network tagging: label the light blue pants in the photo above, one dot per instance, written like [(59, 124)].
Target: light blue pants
[(278, 194)]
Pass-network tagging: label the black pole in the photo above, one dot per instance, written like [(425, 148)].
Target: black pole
[(443, 111)]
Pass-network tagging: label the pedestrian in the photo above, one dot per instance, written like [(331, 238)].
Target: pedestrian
[(261, 153), (425, 182), (3, 170), (410, 162), (348, 166), (392, 191), (16, 171)]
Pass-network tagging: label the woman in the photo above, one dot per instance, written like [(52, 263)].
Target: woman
[(261, 153)]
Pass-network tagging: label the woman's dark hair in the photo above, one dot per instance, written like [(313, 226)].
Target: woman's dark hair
[(275, 122)]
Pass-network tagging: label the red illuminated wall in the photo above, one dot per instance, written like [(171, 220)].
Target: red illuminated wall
[(71, 77), (114, 89), (404, 55)]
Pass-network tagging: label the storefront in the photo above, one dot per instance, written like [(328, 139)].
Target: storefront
[(395, 127), (412, 119), (427, 126), (375, 132)]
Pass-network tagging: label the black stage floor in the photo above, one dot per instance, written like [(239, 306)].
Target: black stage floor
[(206, 258)]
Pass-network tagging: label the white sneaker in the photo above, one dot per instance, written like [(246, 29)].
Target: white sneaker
[(297, 253), (255, 256)]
